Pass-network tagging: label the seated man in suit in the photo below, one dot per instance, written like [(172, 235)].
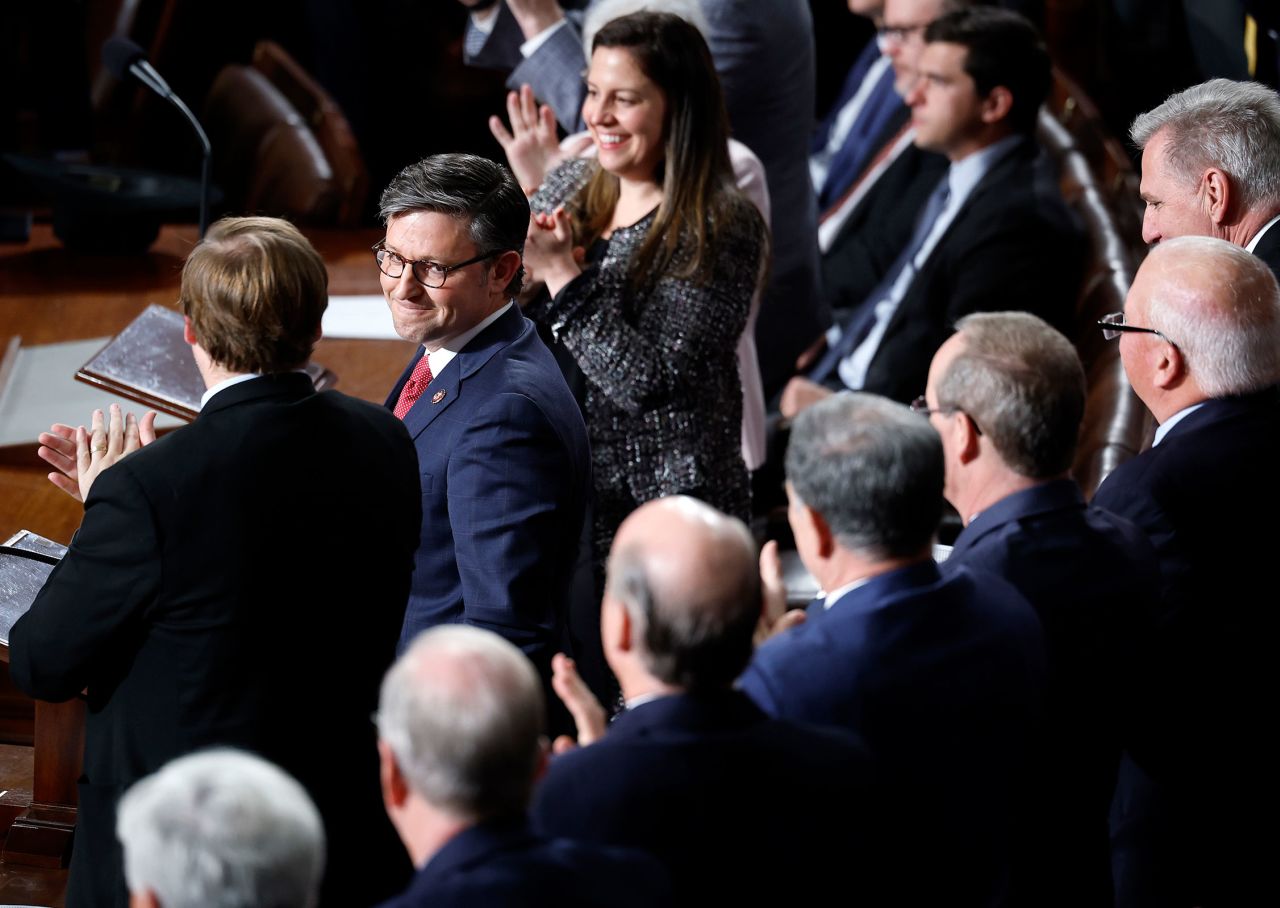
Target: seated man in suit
[(1006, 393), (679, 772), (221, 828), (1200, 342), (994, 233), (202, 595), (502, 447), (1211, 166), (460, 724), (941, 676)]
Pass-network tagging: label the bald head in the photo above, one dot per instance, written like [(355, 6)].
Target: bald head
[(1218, 305), (462, 711), (687, 576)]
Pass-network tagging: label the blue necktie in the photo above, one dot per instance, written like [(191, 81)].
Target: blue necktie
[(856, 329)]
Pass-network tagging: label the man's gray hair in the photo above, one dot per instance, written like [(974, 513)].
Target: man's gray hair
[(469, 188), (872, 469), (1234, 126), (697, 635), (222, 829), (463, 712), (1229, 334), (1022, 383)]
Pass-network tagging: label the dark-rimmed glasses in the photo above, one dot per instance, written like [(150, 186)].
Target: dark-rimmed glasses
[(921, 406), (428, 273), (1113, 325)]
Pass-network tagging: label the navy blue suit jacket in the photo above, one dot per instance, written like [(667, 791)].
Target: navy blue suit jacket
[(502, 864), (711, 785), (502, 451), (1268, 249), (1092, 577), (943, 678)]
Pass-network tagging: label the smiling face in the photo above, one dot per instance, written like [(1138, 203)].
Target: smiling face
[(625, 111), (1173, 207), (469, 295)]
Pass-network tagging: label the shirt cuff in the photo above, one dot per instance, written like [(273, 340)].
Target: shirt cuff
[(531, 46)]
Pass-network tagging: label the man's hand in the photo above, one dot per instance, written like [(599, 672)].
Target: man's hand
[(811, 353), (588, 715), (535, 16), (80, 455), (774, 617), (800, 394), (531, 146)]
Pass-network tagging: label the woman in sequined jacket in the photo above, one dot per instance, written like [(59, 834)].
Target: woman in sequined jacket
[(650, 257)]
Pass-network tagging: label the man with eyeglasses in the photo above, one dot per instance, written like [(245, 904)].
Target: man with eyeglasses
[(1200, 343), (502, 446), (1006, 394)]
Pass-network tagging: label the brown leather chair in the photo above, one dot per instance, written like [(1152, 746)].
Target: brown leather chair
[(265, 157), (327, 122)]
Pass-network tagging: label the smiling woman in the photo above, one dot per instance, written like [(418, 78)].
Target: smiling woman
[(650, 257)]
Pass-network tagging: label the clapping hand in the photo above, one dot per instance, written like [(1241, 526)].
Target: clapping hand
[(588, 715), (774, 617), (531, 145), (78, 454)]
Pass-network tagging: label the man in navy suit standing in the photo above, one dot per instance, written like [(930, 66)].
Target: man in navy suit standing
[(502, 448), (679, 773), (1200, 342), (941, 676), (1006, 393)]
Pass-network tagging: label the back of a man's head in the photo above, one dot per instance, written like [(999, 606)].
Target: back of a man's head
[(688, 578), (1220, 305), (872, 469), (462, 711), (1021, 381), (255, 290), (1233, 126), (221, 829), (1003, 48), (468, 188)]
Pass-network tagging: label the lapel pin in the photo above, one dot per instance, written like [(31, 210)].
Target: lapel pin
[(437, 397)]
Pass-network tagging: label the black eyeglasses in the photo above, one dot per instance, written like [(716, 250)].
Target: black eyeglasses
[(901, 32), (1113, 325), (921, 406), (429, 274)]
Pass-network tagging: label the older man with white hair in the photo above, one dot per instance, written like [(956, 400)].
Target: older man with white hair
[(1211, 166), (1200, 342), (220, 828), (460, 723)]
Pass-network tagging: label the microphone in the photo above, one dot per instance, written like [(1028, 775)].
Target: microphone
[(122, 57)]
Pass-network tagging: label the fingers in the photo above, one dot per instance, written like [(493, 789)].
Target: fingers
[(500, 132), (562, 744), (98, 435), (789, 620), (66, 484), (547, 124), (115, 432), (587, 713), (147, 428), (528, 107), (131, 440), (775, 591), (560, 225)]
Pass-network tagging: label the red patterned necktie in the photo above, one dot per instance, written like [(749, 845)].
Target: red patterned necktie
[(414, 387)]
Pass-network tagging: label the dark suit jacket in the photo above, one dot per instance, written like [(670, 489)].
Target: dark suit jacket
[(943, 678), (1014, 245), (711, 785), (505, 472), (1092, 577), (1268, 249), (239, 582), (502, 864)]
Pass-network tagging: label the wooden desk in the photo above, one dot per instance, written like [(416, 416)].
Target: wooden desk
[(48, 294)]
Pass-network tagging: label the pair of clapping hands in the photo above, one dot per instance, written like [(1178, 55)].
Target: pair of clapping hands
[(589, 716), (79, 455)]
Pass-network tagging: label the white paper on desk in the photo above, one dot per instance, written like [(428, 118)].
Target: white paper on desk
[(42, 390), (358, 316)]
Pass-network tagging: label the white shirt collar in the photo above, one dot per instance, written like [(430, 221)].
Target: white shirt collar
[(438, 359), (223, 385), (1164, 428), (833, 597), (1253, 243)]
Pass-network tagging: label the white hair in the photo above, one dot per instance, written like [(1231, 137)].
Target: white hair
[(607, 10), (1234, 126), (222, 829), (1229, 332), (462, 711)]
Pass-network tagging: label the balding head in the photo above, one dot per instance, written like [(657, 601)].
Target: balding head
[(462, 711), (1219, 307), (686, 575)]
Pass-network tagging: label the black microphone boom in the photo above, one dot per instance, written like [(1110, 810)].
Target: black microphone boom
[(122, 57)]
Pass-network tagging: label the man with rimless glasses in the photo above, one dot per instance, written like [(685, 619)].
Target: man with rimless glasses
[(1200, 342), (502, 448)]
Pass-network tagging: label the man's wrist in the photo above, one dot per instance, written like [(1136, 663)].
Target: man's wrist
[(533, 23)]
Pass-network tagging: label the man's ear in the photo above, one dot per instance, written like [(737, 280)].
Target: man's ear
[(1216, 187), (824, 538), (964, 435), (1168, 367), (996, 105), (188, 333), (505, 266), (395, 790)]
